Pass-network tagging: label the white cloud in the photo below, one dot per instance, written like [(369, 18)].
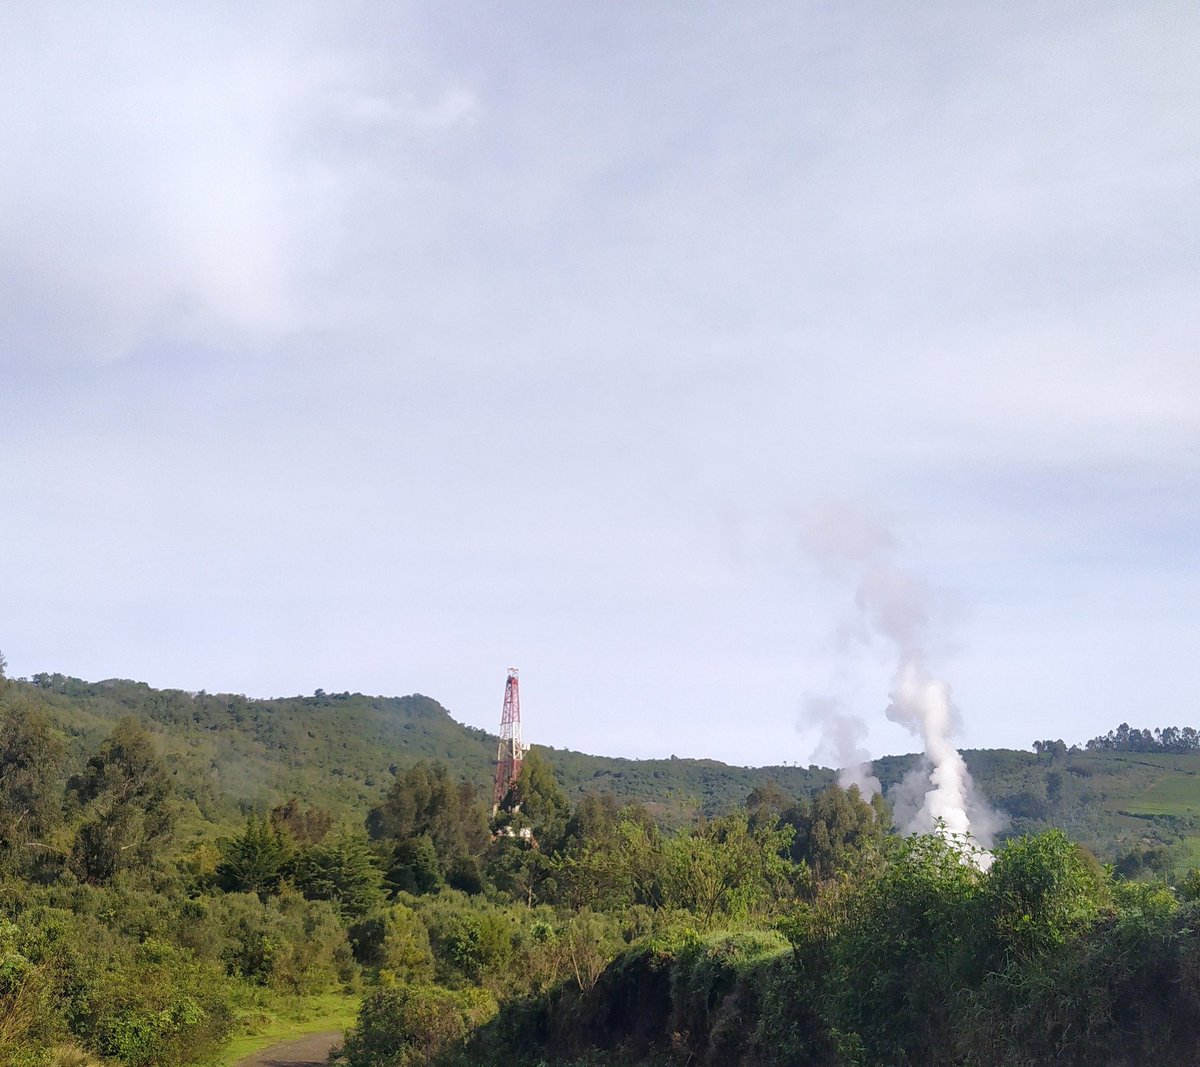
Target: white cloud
[(563, 315)]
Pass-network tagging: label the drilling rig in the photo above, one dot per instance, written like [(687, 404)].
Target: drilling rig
[(511, 750)]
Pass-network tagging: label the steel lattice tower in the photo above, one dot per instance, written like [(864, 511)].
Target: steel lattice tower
[(511, 750)]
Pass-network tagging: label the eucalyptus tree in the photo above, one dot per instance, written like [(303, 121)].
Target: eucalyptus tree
[(125, 798)]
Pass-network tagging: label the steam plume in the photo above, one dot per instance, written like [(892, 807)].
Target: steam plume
[(922, 705), (842, 737), (896, 606)]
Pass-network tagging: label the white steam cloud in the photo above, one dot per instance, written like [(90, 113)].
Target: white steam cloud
[(842, 737), (896, 606)]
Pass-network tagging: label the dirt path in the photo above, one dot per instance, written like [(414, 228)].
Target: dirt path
[(310, 1051)]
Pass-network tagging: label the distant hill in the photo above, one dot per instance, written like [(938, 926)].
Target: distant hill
[(341, 749), (231, 754), (1140, 811)]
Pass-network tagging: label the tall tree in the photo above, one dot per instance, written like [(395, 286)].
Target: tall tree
[(30, 795), (342, 870), (537, 801), (766, 804), (725, 869), (594, 819), (424, 802), (125, 794), (254, 861), (305, 826), (836, 828)]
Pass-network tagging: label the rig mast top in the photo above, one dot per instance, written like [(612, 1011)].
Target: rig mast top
[(511, 750)]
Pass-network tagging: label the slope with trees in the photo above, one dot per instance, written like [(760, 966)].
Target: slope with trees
[(152, 900)]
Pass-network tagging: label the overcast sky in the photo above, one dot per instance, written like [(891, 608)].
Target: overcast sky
[(380, 347)]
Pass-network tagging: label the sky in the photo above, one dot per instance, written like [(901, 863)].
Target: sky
[(381, 347)]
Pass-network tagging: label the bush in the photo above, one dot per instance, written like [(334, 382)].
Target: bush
[(472, 942), (288, 943), (902, 943), (1039, 892), (395, 941), (403, 1025), (154, 1006), (26, 1012)]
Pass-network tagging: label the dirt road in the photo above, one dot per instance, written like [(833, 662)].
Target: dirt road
[(310, 1051)]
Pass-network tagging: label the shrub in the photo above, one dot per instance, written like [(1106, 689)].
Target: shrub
[(472, 942), (1040, 891), (287, 943), (403, 1025), (154, 1006), (903, 941), (394, 940)]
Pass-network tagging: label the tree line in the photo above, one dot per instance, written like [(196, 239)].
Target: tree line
[(1126, 738)]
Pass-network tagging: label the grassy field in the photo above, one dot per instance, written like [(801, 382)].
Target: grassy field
[(1189, 855), (1150, 795), (269, 1018), (1176, 793), (1151, 785)]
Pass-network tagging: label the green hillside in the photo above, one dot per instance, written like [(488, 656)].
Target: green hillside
[(231, 754), (161, 892), (341, 749), (226, 749)]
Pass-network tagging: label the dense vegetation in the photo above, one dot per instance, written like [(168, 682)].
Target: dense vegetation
[(170, 863), (340, 749), (910, 956), (115, 942), (229, 755)]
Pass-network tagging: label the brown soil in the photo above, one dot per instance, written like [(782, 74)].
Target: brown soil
[(310, 1051)]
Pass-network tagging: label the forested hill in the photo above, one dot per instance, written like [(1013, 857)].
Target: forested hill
[(162, 891), (231, 754), (341, 749)]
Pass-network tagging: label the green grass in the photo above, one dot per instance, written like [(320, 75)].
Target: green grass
[(1189, 855), (268, 1018), (1174, 794)]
